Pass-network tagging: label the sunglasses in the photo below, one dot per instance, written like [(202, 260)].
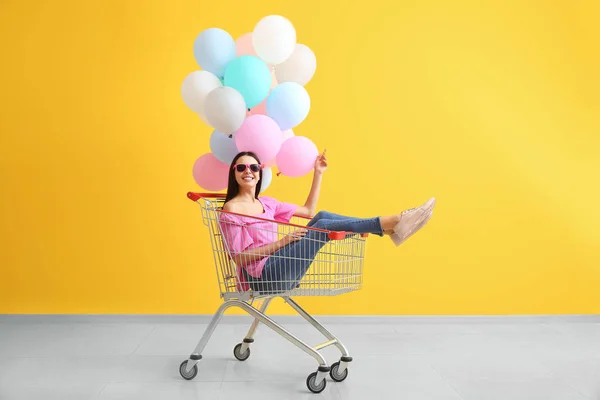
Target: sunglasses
[(243, 167)]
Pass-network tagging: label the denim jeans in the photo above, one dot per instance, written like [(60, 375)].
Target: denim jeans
[(286, 267)]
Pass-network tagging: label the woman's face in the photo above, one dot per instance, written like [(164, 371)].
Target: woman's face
[(249, 176)]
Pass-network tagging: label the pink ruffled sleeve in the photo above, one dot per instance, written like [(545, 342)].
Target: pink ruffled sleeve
[(235, 234), (282, 212)]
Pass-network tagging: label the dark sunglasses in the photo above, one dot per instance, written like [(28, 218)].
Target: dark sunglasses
[(243, 167)]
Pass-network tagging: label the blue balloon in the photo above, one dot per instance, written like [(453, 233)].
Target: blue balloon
[(251, 77), (288, 104), (223, 147), (214, 49)]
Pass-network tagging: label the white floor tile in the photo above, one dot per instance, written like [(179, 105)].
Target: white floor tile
[(378, 388), (169, 339), (166, 369), (271, 369), (50, 390), (443, 360), (38, 340), (161, 391), (521, 390), (42, 371), (275, 390)]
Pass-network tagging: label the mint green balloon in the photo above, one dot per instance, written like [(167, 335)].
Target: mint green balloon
[(251, 77)]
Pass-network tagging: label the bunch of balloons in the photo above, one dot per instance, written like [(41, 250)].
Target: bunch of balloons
[(251, 91)]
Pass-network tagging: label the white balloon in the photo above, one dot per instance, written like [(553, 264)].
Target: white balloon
[(288, 134), (274, 39), (195, 87), (225, 109), (203, 119), (267, 178), (299, 68)]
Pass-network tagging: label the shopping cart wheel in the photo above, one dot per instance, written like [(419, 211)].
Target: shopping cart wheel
[(188, 375), (237, 352), (334, 373), (312, 386)]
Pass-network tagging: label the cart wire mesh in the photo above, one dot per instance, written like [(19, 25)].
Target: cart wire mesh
[(322, 263)]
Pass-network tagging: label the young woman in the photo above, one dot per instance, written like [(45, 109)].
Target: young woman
[(267, 263)]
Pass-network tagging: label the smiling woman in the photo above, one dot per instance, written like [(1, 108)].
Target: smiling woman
[(252, 242)]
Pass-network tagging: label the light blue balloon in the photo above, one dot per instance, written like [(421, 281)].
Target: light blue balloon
[(223, 147), (251, 77), (288, 104), (214, 49), (267, 178)]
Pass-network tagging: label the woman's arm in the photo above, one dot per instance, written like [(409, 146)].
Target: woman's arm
[(310, 207), (258, 253), (242, 259), (237, 240)]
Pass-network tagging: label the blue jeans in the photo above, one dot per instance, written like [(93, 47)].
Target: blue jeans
[(286, 267)]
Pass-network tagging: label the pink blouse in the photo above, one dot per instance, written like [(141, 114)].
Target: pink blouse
[(247, 232)]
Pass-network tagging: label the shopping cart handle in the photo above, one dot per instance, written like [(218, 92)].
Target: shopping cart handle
[(195, 196), (334, 235)]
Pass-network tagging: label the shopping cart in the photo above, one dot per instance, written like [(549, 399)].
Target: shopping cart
[(336, 269)]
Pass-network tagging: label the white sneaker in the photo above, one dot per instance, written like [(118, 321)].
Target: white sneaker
[(398, 240), (411, 221)]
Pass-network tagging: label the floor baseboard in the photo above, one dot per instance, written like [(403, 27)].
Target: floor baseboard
[(294, 319)]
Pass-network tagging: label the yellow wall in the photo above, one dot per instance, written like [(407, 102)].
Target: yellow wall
[(492, 106)]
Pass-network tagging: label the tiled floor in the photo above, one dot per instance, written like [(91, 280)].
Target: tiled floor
[(98, 357)]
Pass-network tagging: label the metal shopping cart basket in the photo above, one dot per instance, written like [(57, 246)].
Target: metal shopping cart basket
[(336, 269)]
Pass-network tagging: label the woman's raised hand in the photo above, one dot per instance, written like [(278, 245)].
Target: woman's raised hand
[(321, 163)]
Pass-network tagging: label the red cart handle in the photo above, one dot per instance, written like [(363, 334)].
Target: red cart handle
[(333, 235), (195, 196)]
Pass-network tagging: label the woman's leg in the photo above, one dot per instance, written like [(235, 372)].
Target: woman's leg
[(387, 223), (355, 225), (326, 215), (286, 267)]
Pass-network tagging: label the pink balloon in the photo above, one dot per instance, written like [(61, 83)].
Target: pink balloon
[(244, 46), (261, 135), (210, 173), (297, 156)]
